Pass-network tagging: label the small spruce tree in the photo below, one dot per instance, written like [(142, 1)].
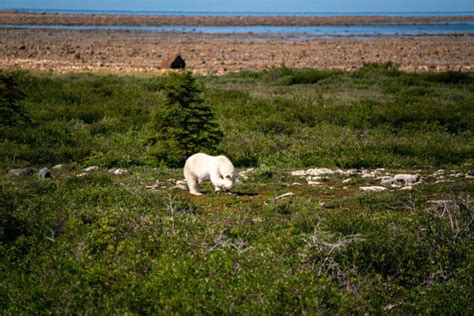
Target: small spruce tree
[(12, 113), (183, 125)]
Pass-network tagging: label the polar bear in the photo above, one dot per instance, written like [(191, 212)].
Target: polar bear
[(200, 167)]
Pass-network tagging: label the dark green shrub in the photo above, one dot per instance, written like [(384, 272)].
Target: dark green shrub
[(183, 125)]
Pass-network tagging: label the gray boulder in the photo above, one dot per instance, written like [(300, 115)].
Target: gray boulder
[(44, 173)]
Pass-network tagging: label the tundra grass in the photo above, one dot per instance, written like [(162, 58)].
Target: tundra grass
[(103, 243)]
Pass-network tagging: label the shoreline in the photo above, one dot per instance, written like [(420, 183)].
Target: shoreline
[(27, 18)]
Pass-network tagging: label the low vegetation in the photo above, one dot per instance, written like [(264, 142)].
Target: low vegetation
[(105, 243)]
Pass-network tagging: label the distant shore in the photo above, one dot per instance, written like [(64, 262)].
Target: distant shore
[(27, 18)]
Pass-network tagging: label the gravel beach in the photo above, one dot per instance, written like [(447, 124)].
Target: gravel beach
[(141, 52)]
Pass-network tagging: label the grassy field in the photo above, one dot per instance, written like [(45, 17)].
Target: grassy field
[(103, 243)]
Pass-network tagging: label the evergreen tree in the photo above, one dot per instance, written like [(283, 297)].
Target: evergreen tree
[(11, 112), (184, 125)]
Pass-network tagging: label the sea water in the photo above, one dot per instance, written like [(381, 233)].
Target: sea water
[(323, 30)]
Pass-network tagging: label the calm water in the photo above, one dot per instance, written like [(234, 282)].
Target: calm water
[(250, 13), (324, 30)]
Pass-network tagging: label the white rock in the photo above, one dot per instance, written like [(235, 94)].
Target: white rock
[(438, 173), (244, 174), (407, 188), (313, 183), (298, 173), (119, 171), (373, 189), (351, 172), (347, 180), (68, 166), (285, 196), (153, 186), (368, 174), (295, 183), (91, 169), (319, 171), (443, 181), (181, 184)]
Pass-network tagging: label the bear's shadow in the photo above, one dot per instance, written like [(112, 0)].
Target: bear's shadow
[(245, 193)]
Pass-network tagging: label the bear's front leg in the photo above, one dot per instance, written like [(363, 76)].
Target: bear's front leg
[(193, 183)]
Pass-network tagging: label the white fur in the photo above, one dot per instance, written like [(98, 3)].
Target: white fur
[(200, 167)]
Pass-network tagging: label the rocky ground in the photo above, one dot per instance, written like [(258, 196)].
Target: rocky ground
[(127, 51), (138, 52)]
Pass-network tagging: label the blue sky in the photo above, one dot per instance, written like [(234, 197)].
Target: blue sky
[(247, 5)]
